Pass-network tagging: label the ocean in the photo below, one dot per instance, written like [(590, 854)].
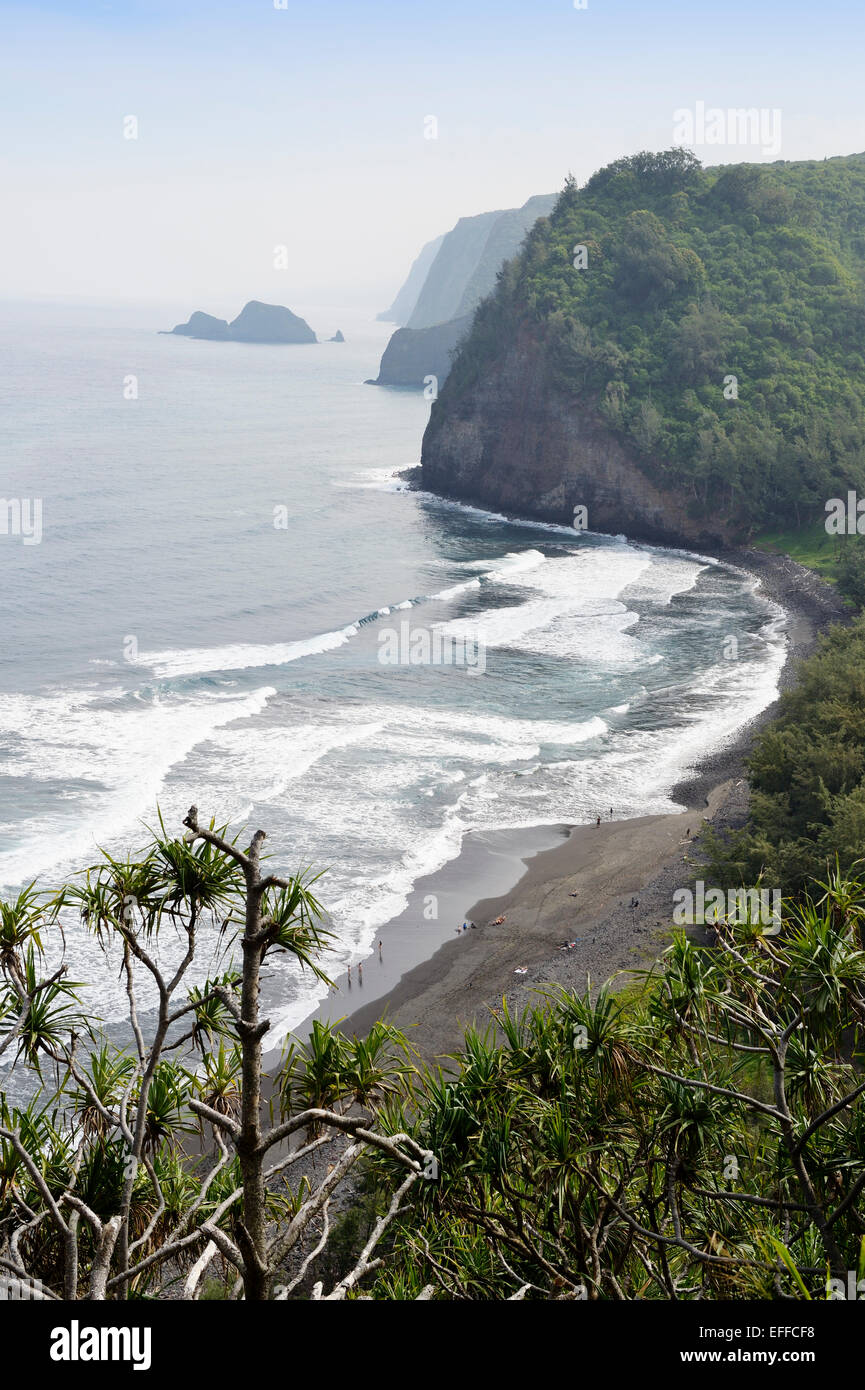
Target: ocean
[(227, 559)]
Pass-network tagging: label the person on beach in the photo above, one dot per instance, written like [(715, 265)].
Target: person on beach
[(599, 820), (611, 813), (379, 950), (349, 977), (360, 972)]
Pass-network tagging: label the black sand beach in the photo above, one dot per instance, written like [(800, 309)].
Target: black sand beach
[(556, 884)]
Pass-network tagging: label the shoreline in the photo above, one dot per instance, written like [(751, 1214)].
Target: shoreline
[(551, 885)]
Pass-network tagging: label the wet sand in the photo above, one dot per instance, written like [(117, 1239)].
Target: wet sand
[(556, 884), (580, 891)]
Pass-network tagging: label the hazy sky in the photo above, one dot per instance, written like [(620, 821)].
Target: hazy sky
[(304, 127)]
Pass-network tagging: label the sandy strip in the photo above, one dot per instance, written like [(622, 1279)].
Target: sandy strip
[(582, 890)]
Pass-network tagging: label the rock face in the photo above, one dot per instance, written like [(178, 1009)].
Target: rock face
[(412, 354), (471, 256), (457, 260), (201, 325), (462, 273), (337, 337), (269, 323), (511, 442), (401, 310)]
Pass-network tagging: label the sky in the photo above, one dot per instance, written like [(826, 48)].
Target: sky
[(199, 153)]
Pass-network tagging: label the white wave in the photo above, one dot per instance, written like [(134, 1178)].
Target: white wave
[(668, 575), (510, 566), (119, 752), (241, 656), (267, 760), (376, 479), (483, 514)]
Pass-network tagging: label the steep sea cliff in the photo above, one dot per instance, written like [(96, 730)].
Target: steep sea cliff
[(513, 442)]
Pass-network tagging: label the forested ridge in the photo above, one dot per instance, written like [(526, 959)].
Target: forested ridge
[(659, 282)]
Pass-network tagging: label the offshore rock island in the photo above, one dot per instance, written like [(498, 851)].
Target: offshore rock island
[(256, 323)]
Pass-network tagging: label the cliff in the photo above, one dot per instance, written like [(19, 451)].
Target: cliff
[(679, 350), (469, 259), (503, 241), (403, 306), (413, 354), (463, 271), (515, 443), (454, 265)]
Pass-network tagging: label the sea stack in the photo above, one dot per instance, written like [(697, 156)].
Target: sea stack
[(269, 323)]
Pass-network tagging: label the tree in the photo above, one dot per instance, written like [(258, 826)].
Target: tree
[(101, 1192), (700, 1137)]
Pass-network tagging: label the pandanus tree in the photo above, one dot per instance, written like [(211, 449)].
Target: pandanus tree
[(699, 1135), (134, 1165)]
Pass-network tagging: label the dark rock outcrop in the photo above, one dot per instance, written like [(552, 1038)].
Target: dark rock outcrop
[(269, 323), (510, 441), (413, 354)]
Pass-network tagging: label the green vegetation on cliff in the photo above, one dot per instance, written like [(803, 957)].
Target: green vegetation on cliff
[(807, 775), (702, 1138), (753, 274)]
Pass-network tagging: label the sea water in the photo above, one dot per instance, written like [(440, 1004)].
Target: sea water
[(225, 547)]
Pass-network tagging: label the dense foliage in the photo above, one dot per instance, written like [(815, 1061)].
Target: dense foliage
[(699, 1135), (807, 775), (703, 1137), (136, 1167), (692, 276)]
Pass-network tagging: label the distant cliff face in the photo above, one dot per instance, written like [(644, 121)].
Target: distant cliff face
[(503, 241), (462, 272), (403, 306), (456, 262), (415, 354), (469, 259), (512, 442)]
